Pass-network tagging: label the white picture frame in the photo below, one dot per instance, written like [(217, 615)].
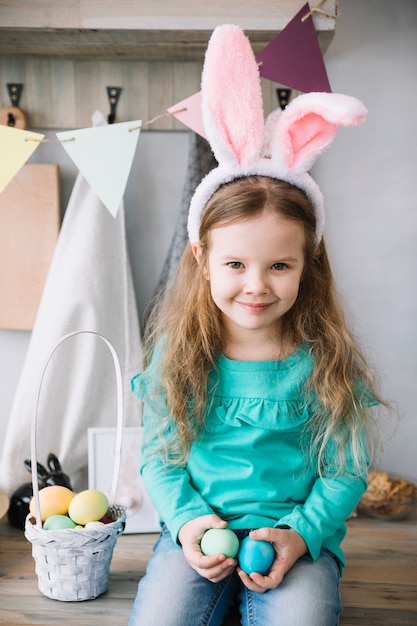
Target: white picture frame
[(141, 515)]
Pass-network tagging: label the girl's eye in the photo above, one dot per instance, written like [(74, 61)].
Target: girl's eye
[(235, 265), (280, 266)]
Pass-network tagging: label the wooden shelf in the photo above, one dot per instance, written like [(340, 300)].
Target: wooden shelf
[(67, 53), (144, 45), (146, 30)]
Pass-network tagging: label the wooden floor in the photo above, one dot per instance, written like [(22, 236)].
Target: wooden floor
[(379, 586)]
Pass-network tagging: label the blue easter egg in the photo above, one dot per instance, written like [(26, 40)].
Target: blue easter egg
[(255, 556)]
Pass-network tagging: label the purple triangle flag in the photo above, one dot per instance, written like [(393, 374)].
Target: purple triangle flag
[(293, 58)]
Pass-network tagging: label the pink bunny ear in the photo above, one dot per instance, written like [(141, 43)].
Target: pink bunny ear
[(308, 125), (232, 97)]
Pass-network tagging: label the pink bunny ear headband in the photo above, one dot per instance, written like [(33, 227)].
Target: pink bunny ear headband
[(234, 124)]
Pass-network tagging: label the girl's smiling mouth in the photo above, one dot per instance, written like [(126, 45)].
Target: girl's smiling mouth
[(255, 307)]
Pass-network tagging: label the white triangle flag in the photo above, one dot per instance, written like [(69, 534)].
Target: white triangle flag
[(16, 146), (104, 155)]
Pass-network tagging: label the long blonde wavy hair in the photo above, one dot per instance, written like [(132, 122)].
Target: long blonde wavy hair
[(190, 325)]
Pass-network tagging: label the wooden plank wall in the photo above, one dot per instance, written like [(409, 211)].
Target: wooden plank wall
[(64, 93)]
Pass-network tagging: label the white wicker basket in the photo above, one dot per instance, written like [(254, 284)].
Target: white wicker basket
[(74, 564)]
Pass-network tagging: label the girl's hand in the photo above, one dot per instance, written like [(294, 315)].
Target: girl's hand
[(214, 568), (289, 546)]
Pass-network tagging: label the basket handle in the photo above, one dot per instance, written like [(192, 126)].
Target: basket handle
[(118, 452)]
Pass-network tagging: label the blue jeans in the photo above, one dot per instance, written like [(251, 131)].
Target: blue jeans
[(172, 594)]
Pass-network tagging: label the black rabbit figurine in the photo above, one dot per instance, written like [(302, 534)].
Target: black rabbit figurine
[(19, 501)]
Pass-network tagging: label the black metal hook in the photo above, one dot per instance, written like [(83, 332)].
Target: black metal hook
[(113, 94), (283, 96), (15, 91)]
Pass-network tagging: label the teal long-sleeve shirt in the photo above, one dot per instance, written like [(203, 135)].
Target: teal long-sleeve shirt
[(251, 464)]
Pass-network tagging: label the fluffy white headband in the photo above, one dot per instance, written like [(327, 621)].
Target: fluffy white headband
[(234, 125)]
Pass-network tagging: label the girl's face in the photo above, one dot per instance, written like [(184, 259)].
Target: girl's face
[(254, 268)]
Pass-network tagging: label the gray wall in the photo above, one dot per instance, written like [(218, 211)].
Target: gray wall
[(368, 177), (368, 180)]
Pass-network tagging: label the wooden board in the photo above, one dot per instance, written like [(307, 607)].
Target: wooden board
[(376, 591), (29, 228)]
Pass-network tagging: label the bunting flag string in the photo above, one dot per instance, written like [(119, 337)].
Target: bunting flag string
[(104, 154), (317, 9)]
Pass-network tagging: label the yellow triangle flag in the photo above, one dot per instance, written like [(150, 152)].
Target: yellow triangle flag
[(16, 146), (104, 155)]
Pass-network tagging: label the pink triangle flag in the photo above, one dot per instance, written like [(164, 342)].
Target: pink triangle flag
[(293, 58), (188, 112)]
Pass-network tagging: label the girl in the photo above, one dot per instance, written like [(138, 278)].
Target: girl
[(255, 401)]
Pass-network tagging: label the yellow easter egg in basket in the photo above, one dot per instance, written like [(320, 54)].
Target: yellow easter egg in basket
[(88, 506)]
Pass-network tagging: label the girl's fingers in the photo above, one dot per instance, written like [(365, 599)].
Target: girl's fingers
[(215, 569)]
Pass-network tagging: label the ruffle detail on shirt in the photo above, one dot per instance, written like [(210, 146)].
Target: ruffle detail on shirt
[(262, 413), (143, 386), (138, 386), (144, 382)]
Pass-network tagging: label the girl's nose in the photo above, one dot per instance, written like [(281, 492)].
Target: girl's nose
[(256, 284)]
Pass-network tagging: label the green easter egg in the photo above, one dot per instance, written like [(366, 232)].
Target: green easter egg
[(219, 541), (58, 522)]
